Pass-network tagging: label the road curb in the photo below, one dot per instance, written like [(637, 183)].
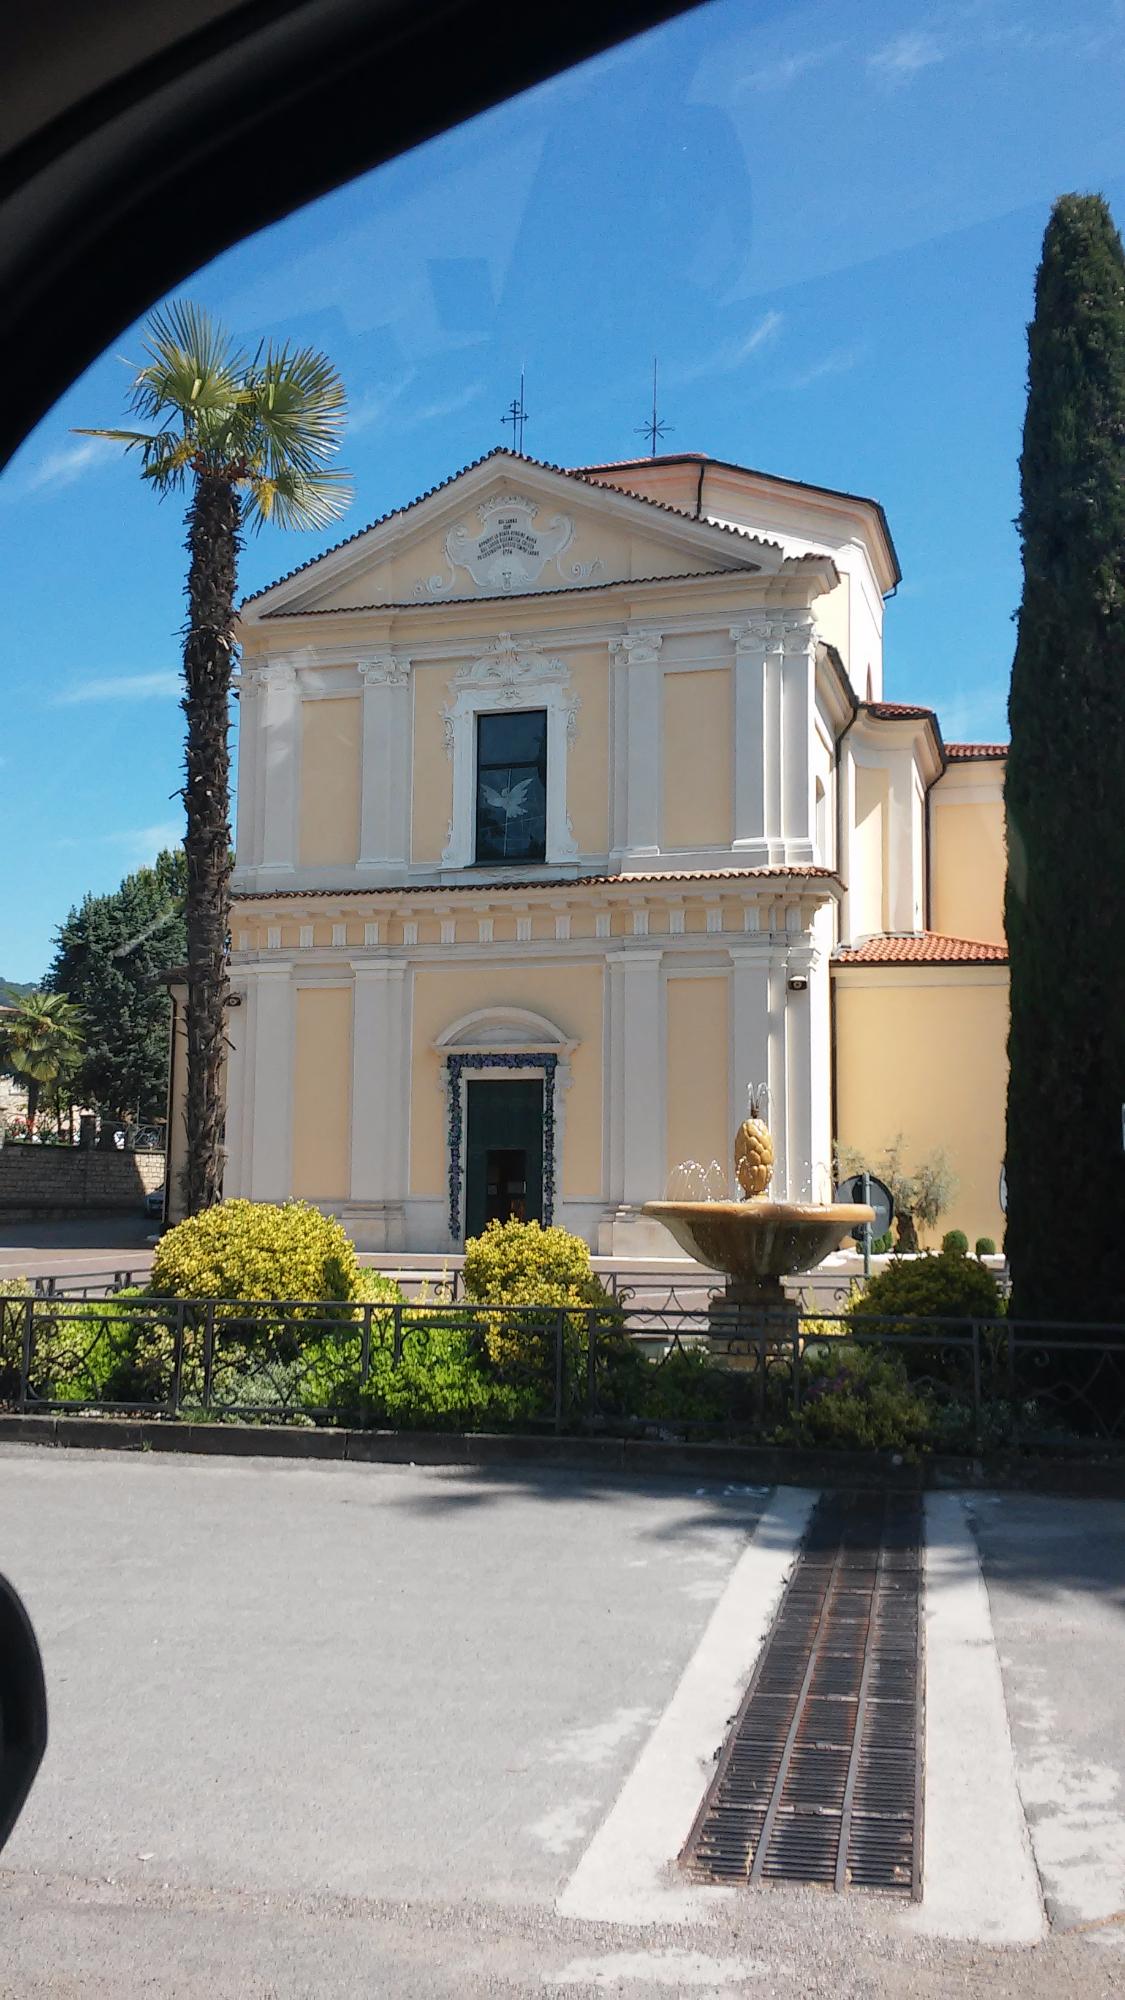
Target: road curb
[(642, 1458)]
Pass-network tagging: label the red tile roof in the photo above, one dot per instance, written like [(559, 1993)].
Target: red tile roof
[(487, 886), (921, 948), (898, 711), (753, 471), (965, 753)]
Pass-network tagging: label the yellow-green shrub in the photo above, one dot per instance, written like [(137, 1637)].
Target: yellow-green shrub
[(252, 1250), (521, 1264)]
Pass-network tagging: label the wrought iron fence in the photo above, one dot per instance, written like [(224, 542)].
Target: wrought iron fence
[(627, 1368)]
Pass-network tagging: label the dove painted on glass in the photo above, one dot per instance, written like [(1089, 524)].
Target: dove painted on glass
[(512, 801)]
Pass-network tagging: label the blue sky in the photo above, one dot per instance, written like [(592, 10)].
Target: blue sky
[(824, 219)]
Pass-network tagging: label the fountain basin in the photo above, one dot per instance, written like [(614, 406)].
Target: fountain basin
[(757, 1243)]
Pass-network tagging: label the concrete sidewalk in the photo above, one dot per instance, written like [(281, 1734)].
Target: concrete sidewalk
[(352, 1730)]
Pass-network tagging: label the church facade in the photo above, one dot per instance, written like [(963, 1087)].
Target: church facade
[(569, 804)]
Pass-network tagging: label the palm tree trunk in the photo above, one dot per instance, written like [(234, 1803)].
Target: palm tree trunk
[(213, 544), (32, 1104)]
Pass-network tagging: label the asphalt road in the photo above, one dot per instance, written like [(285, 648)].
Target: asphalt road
[(324, 1730)]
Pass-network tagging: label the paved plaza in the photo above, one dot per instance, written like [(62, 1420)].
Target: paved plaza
[(337, 1730)]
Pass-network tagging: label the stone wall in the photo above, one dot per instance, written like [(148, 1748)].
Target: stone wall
[(38, 1180)]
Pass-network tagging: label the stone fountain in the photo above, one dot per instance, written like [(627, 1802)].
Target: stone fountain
[(756, 1242)]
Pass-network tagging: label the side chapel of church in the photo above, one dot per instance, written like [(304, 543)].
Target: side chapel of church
[(569, 804)]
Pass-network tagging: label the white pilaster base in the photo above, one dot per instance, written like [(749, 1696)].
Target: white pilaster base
[(375, 1225)]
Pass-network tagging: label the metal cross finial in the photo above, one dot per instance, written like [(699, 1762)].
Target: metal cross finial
[(654, 429), (516, 416)]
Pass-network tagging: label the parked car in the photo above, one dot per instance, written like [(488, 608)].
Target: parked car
[(154, 1203)]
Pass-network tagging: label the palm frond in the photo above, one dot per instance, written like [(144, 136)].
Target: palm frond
[(299, 407), (192, 368), (293, 499)]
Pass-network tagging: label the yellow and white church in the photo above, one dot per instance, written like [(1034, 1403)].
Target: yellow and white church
[(569, 804)]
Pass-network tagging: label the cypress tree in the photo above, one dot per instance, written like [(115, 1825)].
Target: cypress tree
[(1065, 790)]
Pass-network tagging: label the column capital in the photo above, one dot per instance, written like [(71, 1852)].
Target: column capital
[(774, 632), (384, 669), (279, 672), (637, 649)]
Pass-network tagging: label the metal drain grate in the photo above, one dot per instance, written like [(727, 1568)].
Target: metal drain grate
[(820, 1779)]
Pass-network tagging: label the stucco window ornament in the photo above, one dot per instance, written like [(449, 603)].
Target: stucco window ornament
[(509, 669), (509, 552), (509, 675), (456, 1066)]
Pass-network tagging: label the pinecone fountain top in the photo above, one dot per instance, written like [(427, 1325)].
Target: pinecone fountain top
[(754, 1241)]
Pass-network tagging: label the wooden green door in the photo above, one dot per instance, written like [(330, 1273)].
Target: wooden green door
[(503, 1151)]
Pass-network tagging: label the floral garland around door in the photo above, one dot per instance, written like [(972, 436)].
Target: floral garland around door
[(457, 1065)]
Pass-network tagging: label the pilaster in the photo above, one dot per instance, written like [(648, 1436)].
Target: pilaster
[(637, 708), (636, 1080), (277, 764), (774, 694), (384, 826)]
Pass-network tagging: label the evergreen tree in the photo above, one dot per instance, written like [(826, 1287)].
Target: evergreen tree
[(107, 956), (1065, 792)]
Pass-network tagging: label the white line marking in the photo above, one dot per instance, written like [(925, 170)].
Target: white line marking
[(623, 1877), (978, 1879)]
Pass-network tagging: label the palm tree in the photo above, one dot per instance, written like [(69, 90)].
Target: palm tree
[(39, 1038), (248, 437)]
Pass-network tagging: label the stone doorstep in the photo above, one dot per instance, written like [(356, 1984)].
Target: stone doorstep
[(759, 1465)]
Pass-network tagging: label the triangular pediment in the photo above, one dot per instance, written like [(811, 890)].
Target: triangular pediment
[(509, 527)]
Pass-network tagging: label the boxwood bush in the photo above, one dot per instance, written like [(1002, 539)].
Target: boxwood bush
[(939, 1285)]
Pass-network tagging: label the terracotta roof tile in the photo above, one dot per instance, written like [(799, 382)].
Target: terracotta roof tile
[(966, 753), (898, 711), (521, 458), (554, 885), (921, 948)]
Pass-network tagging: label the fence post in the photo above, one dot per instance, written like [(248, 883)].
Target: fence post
[(208, 1351), (178, 1358), (25, 1351), (592, 1318), (976, 1386), (797, 1367), (396, 1351), (762, 1364), (365, 1346), (560, 1322), (1012, 1403)]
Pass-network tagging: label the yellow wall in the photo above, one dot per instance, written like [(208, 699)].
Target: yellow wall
[(923, 1052), (698, 1070), (968, 861), (432, 802), (698, 753), (322, 1083), (867, 874), (331, 739), (568, 995)]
